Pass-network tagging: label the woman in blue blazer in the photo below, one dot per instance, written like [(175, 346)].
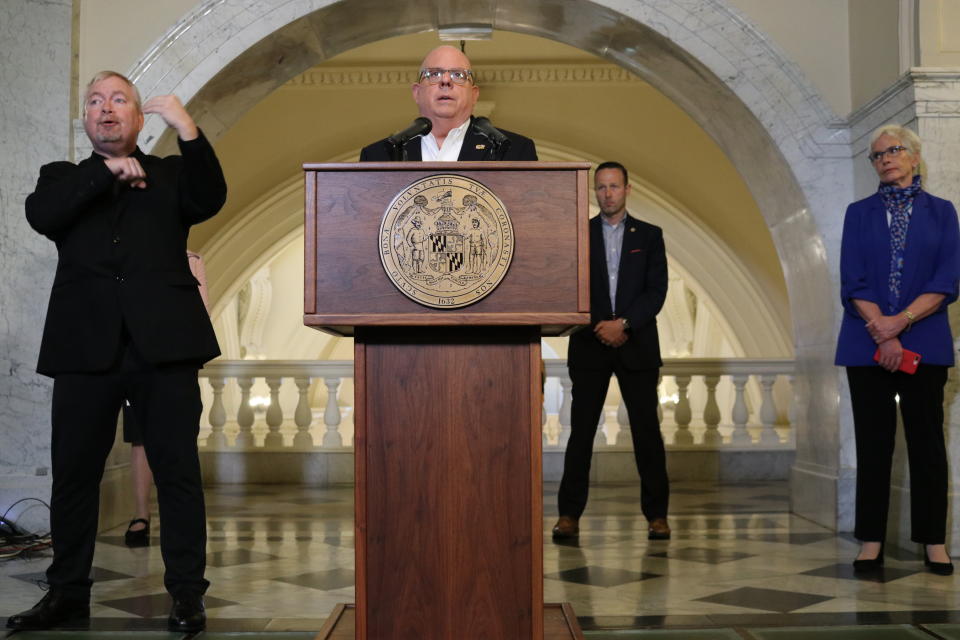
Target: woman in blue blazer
[(899, 268)]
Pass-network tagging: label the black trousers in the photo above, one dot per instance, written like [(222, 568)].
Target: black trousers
[(639, 391), (872, 397), (166, 403)]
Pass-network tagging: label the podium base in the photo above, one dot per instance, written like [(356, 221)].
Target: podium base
[(559, 623)]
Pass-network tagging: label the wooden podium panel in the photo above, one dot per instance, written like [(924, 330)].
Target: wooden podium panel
[(546, 285), (448, 492)]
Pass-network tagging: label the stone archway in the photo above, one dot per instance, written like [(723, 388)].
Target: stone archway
[(225, 57)]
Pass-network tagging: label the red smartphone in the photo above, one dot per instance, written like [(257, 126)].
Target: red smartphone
[(909, 362)]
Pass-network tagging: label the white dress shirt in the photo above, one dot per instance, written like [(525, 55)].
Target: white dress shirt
[(449, 151)]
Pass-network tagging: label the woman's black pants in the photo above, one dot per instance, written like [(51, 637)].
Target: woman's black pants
[(873, 393)]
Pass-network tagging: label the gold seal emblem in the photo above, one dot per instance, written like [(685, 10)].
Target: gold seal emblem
[(446, 241)]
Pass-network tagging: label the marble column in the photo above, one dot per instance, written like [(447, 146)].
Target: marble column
[(35, 47)]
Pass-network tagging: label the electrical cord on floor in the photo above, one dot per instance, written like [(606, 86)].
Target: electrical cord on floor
[(16, 542)]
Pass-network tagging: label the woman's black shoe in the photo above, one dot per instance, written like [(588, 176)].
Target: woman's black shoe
[(939, 568), (138, 538), (869, 564)]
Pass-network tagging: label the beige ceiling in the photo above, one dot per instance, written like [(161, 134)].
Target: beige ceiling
[(628, 121)]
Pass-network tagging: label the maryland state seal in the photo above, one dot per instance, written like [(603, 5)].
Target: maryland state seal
[(446, 241)]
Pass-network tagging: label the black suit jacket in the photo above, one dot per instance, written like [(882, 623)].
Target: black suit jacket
[(122, 259), (475, 147), (641, 290)]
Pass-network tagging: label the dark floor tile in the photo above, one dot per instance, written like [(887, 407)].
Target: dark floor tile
[(156, 604), (945, 631), (233, 557), (97, 574), (845, 571), (833, 619), (601, 576), (98, 634), (665, 634), (888, 632), (699, 554), (325, 580), (621, 623), (765, 599)]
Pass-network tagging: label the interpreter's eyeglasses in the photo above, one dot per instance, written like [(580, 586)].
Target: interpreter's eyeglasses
[(893, 152), (457, 76)]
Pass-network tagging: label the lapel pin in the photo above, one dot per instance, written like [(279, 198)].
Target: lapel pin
[(481, 146), (632, 229)]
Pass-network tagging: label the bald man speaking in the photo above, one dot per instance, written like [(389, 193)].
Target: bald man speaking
[(446, 93)]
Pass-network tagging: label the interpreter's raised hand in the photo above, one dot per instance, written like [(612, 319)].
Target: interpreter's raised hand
[(883, 328), (891, 353), (127, 170), (171, 110), (610, 332)]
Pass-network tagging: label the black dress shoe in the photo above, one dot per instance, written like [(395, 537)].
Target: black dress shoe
[(869, 564), (139, 537), (187, 614), (939, 568), (53, 610)]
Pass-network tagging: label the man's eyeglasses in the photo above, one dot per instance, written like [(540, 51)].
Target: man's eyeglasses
[(457, 76), (893, 152)]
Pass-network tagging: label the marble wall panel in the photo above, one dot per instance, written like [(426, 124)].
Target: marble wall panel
[(35, 42)]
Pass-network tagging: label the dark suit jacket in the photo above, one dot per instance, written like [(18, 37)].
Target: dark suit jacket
[(641, 290), (521, 148), (931, 264), (122, 259)]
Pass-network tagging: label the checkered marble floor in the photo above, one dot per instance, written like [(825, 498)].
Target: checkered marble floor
[(281, 557)]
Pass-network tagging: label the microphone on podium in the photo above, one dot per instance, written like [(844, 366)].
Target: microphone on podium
[(398, 141), (498, 141)]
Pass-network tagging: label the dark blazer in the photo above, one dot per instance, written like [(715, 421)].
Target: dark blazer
[(475, 147), (641, 290), (931, 264), (122, 259)]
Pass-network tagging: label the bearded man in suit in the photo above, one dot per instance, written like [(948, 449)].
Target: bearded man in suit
[(446, 93), (628, 284), (125, 322)]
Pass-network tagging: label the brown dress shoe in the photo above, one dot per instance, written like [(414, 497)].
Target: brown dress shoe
[(659, 529), (566, 527)]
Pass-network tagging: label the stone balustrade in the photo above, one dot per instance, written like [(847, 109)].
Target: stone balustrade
[(715, 403)]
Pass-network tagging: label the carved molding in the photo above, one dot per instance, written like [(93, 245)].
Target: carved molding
[(527, 74)]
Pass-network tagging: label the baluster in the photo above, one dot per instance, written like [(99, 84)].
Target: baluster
[(566, 388), (217, 416), (303, 416), (740, 415), (600, 437), (711, 412), (682, 413), (768, 410), (274, 439), (623, 419), (331, 414), (245, 414)]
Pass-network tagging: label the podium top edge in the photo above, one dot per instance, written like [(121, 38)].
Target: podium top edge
[(445, 166)]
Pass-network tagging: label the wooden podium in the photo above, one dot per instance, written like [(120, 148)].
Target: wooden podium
[(449, 514)]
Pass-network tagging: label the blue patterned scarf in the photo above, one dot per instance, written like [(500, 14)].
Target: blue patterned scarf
[(899, 203)]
